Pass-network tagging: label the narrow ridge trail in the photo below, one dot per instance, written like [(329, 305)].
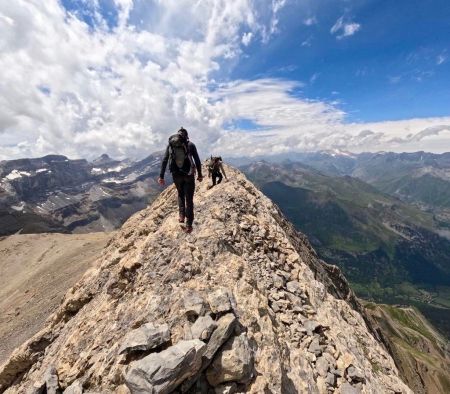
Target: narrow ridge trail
[(243, 304)]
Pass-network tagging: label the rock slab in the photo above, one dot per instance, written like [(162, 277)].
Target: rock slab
[(161, 373)]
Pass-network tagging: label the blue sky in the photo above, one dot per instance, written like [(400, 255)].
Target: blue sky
[(396, 66), (247, 77)]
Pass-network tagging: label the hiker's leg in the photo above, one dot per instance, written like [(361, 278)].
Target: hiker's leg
[(189, 188), (214, 175), (179, 184), (219, 174)]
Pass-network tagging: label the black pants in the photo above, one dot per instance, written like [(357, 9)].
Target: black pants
[(216, 174), (185, 185)]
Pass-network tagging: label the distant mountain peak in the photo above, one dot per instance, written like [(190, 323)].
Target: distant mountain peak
[(103, 159)]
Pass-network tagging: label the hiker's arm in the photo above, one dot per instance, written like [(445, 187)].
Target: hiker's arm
[(197, 161), (164, 163), (223, 171)]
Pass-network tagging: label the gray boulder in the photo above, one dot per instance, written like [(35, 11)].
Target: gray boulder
[(225, 326), (203, 328), (219, 301), (355, 374), (233, 363), (194, 304), (145, 337), (161, 373)]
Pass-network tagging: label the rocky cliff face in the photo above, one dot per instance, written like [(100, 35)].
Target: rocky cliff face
[(242, 304)]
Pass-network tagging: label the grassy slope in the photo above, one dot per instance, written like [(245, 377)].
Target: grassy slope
[(421, 353)]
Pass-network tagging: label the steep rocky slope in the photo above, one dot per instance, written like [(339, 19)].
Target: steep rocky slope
[(420, 352), (36, 270), (243, 304)]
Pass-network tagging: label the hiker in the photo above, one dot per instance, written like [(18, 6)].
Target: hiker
[(183, 162), (215, 170)]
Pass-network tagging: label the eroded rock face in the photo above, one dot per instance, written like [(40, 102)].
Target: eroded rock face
[(268, 316)]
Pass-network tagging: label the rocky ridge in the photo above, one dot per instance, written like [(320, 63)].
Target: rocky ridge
[(243, 304)]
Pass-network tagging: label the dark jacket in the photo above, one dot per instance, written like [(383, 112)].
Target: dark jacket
[(192, 151)]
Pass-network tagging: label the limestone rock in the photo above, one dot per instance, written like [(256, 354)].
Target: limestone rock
[(75, 388), (234, 362), (355, 374), (225, 327), (322, 366), (219, 301), (162, 372), (146, 337), (203, 327), (194, 304)]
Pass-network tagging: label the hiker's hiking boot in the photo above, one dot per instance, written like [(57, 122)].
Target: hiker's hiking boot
[(187, 229), (181, 219)]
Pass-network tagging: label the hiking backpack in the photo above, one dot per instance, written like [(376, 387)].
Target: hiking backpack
[(178, 154), (214, 164)]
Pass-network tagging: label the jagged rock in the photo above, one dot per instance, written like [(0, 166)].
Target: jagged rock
[(219, 301), (146, 337), (203, 327), (234, 362), (355, 374), (294, 287), (311, 326), (277, 281), (227, 388), (315, 347), (194, 304), (75, 388), (331, 379), (162, 372), (51, 380), (225, 326), (322, 366)]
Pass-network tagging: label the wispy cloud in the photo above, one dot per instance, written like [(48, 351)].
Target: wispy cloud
[(441, 58), (343, 28), (307, 42), (312, 20), (313, 78)]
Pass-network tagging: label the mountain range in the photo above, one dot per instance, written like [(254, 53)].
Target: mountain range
[(56, 194), (391, 242)]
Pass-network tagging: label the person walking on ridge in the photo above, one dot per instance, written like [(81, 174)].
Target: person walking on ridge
[(215, 170), (182, 156)]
